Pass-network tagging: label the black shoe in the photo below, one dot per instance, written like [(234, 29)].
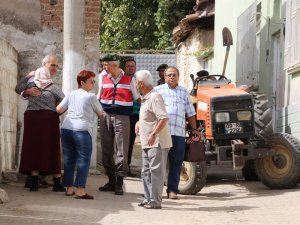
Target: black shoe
[(119, 190), (28, 181), (59, 188), (34, 183), (107, 187), (119, 186), (33, 189)]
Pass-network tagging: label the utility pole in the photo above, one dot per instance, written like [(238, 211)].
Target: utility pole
[(73, 43)]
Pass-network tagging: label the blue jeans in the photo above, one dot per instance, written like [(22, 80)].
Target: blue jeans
[(176, 156), (77, 150)]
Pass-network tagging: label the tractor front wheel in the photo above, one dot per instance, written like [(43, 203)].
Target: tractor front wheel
[(282, 170), (192, 177)]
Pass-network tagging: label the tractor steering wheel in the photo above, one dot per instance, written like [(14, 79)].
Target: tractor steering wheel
[(213, 77)]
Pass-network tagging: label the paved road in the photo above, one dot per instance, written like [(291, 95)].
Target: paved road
[(224, 201)]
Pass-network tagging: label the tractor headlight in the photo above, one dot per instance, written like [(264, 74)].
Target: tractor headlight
[(244, 115), (222, 117)]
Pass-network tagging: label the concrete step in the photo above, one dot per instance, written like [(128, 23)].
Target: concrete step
[(13, 176)]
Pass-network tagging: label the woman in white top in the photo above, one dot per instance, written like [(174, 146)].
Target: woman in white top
[(82, 110)]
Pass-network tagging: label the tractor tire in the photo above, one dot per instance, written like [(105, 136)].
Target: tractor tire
[(282, 170), (263, 129), (249, 172), (192, 177), (262, 116)]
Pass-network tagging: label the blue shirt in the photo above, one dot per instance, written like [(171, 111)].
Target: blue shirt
[(178, 105)]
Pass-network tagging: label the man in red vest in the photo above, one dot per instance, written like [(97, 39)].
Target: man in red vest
[(117, 91)]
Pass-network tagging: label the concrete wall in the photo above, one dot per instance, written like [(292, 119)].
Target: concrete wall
[(187, 63), (8, 105), (288, 120)]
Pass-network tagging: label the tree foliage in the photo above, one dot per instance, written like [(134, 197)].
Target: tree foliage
[(140, 24)]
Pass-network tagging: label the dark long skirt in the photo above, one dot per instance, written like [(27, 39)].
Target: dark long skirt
[(41, 143)]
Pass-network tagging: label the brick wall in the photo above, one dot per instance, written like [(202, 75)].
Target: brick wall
[(52, 15), (92, 16)]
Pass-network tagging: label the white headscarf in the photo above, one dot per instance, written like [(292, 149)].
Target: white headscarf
[(42, 78)]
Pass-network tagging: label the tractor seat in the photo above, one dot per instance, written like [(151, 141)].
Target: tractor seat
[(213, 82)]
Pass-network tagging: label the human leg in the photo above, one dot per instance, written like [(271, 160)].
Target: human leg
[(132, 136), (121, 126), (69, 156), (107, 147), (157, 163), (83, 143), (176, 155), (121, 130), (146, 175)]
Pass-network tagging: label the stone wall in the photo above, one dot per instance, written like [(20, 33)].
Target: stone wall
[(8, 105), (186, 61)]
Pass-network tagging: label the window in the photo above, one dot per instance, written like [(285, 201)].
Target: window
[(292, 32)]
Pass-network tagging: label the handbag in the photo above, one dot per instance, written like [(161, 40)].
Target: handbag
[(194, 151)]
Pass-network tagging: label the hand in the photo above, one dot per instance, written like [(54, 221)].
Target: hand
[(196, 136), (31, 74), (33, 91), (151, 139), (137, 128)]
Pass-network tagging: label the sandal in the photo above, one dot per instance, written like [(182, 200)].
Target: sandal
[(86, 196), (67, 194)]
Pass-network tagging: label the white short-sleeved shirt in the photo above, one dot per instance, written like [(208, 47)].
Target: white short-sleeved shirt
[(82, 111)]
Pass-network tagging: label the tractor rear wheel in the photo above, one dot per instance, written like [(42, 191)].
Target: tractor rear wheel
[(262, 116), (192, 177), (263, 129), (281, 170)]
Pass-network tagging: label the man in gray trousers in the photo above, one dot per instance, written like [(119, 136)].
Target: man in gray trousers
[(155, 140), (116, 93)]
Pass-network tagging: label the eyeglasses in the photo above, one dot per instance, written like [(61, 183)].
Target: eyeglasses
[(171, 75), (54, 65)]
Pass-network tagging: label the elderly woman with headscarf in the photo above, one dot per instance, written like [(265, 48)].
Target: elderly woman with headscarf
[(41, 138)]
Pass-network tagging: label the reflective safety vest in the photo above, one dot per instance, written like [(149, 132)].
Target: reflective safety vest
[(117, 98)]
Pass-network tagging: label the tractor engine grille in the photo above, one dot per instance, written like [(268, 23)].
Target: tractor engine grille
[(234, 127)]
